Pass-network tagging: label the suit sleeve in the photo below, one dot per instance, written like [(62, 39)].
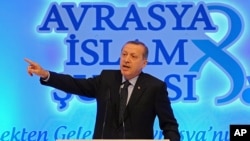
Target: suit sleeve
[(167, 121), (69, 84)]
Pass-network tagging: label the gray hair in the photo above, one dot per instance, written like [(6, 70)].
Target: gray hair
[(136, 42)]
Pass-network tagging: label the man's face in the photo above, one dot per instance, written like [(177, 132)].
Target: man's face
[(132, 61)]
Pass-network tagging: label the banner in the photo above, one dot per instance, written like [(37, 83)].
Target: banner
[(200, 49)]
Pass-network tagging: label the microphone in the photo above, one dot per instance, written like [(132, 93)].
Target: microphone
[(123, 131), (105, 114), (123, 124)]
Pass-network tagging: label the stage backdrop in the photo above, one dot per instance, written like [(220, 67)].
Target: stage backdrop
[(199, 48)]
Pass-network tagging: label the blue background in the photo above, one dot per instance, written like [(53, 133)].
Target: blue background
[(25, 104)]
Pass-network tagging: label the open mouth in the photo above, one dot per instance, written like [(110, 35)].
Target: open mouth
[(125, 66)]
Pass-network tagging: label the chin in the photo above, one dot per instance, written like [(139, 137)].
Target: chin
[(126, 75)]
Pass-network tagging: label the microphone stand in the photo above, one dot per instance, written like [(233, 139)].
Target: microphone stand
[(105, 114)]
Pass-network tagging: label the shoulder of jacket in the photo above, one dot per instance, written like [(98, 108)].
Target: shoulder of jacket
[(151, 78), (110, 72)]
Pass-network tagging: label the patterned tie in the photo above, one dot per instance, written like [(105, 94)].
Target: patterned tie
[(123, 100)]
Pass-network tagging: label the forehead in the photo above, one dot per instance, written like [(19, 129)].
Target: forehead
[(133, 48)]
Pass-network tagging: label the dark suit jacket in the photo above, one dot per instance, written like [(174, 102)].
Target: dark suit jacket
[(148, 100)]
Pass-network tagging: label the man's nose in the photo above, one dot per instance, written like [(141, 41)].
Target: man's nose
[(127, 59)]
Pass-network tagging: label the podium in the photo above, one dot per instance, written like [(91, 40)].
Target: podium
[(114, 140)]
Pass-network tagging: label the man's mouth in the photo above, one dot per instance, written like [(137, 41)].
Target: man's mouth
[(125, 66)]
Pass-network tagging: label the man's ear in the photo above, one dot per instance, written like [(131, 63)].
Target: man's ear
[(145, 62)]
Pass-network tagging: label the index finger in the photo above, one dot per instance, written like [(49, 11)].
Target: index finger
[(29, 61)]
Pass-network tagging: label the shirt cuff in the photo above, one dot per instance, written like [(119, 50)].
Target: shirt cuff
[(47, 79)]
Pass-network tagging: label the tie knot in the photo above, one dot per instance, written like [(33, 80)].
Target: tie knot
[(126, 84)]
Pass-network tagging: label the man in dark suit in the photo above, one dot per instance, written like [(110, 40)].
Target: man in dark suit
[(147, 97)]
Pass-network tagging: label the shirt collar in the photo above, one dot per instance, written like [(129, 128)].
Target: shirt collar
[(131, 81)]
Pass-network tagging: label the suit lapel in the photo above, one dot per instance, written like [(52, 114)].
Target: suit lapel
[(116, 85)]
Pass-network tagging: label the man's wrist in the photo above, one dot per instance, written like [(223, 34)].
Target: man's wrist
[(46, 76)]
